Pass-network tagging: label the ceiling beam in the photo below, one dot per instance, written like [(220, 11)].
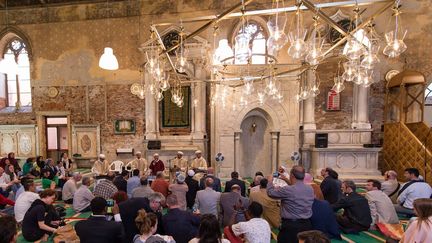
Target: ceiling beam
[(271, 11)]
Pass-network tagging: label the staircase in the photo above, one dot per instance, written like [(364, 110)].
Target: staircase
[(404, 147)]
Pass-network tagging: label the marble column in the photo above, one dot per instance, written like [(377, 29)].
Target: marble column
[(199, 97), (237, 150), (274, 150), (309, 105), (360, 119), (150, 113)]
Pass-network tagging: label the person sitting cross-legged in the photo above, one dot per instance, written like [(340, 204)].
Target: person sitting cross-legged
[(133, 182), (83, 196), (25, 200), (41, 219), (216, 181), (381, 206), (180, 189), (120, 180), (105, 188), (415, 188), (129, 211), (160, 184), (144, 190), (193, 187), (181, 225), (390, 186), (255, 229), (235, 181), (97, 229), (207, 200), (70, 187), (271, 206), (232, 205), (356, 216)]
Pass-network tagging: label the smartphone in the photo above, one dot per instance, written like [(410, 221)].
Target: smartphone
[(110, 205), (276, 174)]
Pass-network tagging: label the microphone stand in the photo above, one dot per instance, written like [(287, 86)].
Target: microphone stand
[(425, 143)]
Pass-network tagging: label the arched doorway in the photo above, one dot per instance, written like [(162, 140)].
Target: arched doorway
[(255, 144)]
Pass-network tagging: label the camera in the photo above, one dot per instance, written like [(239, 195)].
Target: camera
[(276, 174)]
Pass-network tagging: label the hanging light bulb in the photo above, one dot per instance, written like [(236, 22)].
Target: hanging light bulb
[(108, 60), (354, 47), (304, 94), (368, 80), (395, 37), (361, 76), (298, 47), (159, 96), (339, 85), (243, 101), (297, 98), (315, 45), (276, 26), (181, 54), (248, 86), (279, 98), (350, 72), (242, 49), (165, 85), (261, 98), (370, 60), (314, 91)]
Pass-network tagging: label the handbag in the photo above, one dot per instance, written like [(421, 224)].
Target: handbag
[(66, 234)]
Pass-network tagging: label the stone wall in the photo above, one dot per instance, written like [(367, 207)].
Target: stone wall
[(67, 41)]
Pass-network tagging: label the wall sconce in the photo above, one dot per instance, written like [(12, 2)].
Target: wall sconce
[(253, 127)]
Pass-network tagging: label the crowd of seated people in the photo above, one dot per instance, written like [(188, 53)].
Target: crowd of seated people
[(129, 206)]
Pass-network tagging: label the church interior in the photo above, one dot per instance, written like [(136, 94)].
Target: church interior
[(216, 87)]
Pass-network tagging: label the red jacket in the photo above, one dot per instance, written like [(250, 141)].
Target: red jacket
[(5, 200)]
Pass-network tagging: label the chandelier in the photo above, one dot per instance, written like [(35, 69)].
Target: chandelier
[(235, 76), (395, 36)]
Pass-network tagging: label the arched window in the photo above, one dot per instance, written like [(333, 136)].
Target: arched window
[(18, 87), (257, 43), (428, 95)]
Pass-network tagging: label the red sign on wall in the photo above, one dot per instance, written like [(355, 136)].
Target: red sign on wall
[(333, 101)]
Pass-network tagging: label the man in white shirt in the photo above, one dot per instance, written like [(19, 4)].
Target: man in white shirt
[(390, 186), (25, 200), (410, 191), (83, 197), (256, 229), (381, 207), (70, 187)]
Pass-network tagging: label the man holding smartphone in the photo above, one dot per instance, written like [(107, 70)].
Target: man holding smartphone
[(296, 204)]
